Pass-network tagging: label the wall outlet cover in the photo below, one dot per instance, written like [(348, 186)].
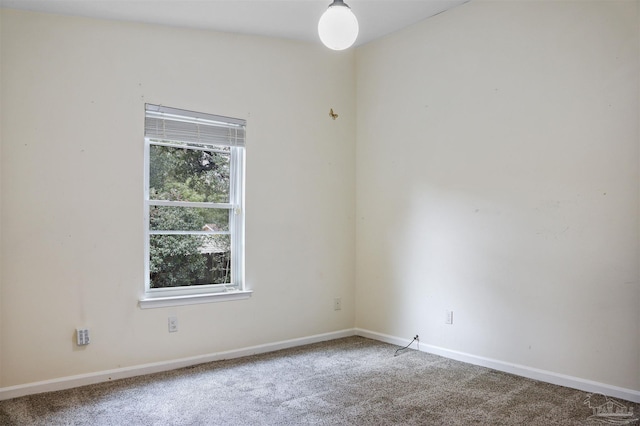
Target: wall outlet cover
[(173, 324), (449, 318), (82, 336)]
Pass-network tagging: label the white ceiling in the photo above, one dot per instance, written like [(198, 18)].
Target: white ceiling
[(292, 19)]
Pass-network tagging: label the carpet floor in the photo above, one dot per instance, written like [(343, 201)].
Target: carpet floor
[(350, 381)]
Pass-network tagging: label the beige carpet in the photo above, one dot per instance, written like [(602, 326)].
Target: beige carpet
[(351, 381)]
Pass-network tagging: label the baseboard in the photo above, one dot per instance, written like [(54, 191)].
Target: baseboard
[(519, 370), (157, 367), (139, 370)]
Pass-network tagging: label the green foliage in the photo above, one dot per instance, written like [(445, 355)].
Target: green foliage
[(189, 175), (176, 260), (175, 218), (179, 174)]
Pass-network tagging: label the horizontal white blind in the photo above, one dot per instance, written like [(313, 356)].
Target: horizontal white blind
[(172, 124)]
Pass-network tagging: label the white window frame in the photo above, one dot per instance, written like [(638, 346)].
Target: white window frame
[(195, 122)]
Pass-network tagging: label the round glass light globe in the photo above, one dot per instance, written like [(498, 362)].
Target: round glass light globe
[(338, 27)]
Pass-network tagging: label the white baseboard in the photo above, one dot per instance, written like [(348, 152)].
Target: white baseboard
[(139, 370), (156, 367), (519, 370)]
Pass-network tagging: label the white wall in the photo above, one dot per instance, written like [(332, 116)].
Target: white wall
[(498, 176), (73, 95)]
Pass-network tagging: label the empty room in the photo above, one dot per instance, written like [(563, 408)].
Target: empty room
[(217, 212)]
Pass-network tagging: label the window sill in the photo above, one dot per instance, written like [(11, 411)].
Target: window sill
[(192, 299)]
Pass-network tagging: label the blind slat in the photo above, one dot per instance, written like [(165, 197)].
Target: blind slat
[(173, 124)]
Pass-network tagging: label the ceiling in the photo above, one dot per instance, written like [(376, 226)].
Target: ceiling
[(291, 19)]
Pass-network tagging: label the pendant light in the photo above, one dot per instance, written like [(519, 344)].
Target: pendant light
[(338, 26)]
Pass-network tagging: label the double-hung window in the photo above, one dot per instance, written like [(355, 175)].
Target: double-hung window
[(194, 212)]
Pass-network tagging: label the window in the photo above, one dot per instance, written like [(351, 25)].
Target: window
[(194, 212)]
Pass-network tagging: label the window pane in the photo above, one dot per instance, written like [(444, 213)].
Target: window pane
[(185, 260), (181, 174), (162, 218)]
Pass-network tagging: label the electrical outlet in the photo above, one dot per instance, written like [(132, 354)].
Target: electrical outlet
[(449, 318), (337, 304), (82, 336), (173, 324)]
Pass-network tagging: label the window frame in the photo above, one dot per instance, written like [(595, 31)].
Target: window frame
[(202, 293)]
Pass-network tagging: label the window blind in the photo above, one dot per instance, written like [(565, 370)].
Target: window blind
[(180, 125)]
